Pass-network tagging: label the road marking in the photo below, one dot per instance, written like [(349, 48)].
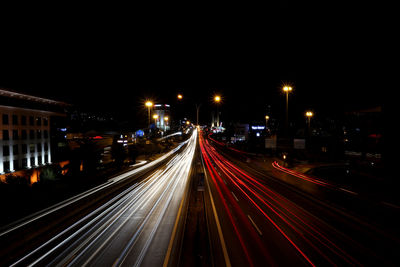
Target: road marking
[(235, 196), (221, 237), (254, 224), (348, 191)]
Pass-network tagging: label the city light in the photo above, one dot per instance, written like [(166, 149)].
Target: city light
[(217, 99), (149, 104), (287, 88), (180, 96)]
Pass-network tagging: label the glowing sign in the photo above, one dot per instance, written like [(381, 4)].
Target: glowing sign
[(257, 127)]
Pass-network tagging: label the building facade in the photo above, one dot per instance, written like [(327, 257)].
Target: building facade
[(163, 116), (24, 132)]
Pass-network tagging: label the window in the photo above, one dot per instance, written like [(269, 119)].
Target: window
[(33, 161), (38, 134), (24, 135), (24, 162), (39, 147), (5, 119), (24, 148), (38, 121), (32, 148), (46, 147), (6, 166), (45, 121), (31, 120), (15, 149), (6, 151), (16, 164), (46, 134), (23, 120), (6, 135), (31, 134), (15, 134), (15, 119)]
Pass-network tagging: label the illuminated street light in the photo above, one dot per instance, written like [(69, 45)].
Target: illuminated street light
[(217, 100), (155, 117), (309, 115), (148, 104), (287, 89), (166, 118), (180, 96)]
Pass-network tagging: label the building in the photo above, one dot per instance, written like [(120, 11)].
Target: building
[(163, 118), (240, 132), (25, 126)]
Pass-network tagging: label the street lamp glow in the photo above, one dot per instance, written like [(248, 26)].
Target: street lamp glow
[(155, 116), (309, 114), (187, 122), (180, 96), (166, 118), (148, 104), (287, 88), (266, 117), (217, 98)]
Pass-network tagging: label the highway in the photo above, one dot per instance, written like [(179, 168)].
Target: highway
[(281, 218), (206, 205), (132, 226)]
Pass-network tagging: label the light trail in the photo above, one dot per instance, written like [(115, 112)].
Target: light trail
[(142, 166), (227, 199), (123, 230), (286, 214), (276, 165)]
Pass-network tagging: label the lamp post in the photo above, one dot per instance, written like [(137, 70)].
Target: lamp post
[(155, 117), (266, 120), (148, 104), (217, 100), (180, 97), (287, 90), (309, 115)]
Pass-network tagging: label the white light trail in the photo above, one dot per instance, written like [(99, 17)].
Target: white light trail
[(124, 228)]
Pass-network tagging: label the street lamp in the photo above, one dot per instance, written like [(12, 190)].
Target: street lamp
[(149, 104), (217, 100), (180, 96), (287, 90), (155, 117), (266, 120), (309, 115)]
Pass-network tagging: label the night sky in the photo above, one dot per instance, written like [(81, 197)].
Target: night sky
[(115, 62)]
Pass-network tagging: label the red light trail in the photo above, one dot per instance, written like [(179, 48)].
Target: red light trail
[(285, 216)]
